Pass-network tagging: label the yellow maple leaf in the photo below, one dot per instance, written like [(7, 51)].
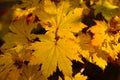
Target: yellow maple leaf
[(78, 76), (60, 46), (6, 64), (20, 33), (111, 48), (61, 17), (13, 62), (99, 33), (51, 54), (99, 61)]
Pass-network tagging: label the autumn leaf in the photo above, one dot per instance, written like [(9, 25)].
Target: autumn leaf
[(20, 33), (91, 53), (15, 60), (107, 8), (106, 43), (78, 76), (111, 48), (59, 43), (99, 61), (7, 67), (37, 56), (55, 53), (32, 73), (84, 41), (12, 68), (99, 33), (61, 17)]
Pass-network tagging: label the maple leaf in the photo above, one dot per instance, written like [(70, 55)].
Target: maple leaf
[(110, 47), (32, 73), (6, 67), (55, 53), (91, 53), (59, 43), (14, 60), (20, 33), (84, 41), (78, 76), (12, 68), (107, 8), (107, 44), (99, 61), (61, 17), (111, 42), (99, 33)]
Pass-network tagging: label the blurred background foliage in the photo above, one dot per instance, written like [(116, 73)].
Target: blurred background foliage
[(92, 12)]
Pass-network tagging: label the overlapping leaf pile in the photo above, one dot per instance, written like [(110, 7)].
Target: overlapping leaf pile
[(36, 56)]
